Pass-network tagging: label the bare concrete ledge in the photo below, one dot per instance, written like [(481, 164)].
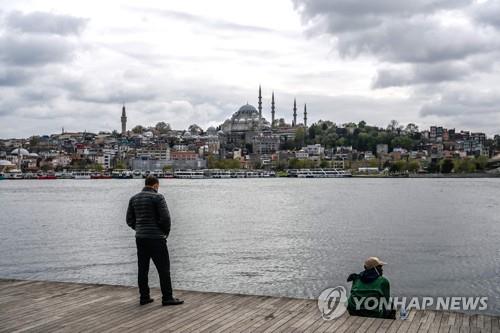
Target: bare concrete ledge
[(38, 306)]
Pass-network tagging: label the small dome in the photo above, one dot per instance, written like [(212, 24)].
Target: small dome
[(5, 163), (20, 151)]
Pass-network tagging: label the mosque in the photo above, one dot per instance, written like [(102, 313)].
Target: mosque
[(248, 123)]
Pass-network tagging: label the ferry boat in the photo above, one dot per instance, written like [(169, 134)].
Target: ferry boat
[(168, 174), (157, 173), (121, 174), (336, 173), (189, 174), (319, 173), (31, 175), (98, 175), (238, 174), (220, 174), (82, 175), (65, 175), (14, 174), (251, 174), (45, 176), (137, 174)]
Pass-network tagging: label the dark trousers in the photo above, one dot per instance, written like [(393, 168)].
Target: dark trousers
[(155, 249)]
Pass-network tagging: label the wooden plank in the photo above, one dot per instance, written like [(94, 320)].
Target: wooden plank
[(495, 325), (36, 306), (267, 314)]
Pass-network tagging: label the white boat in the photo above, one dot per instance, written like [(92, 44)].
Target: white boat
[(251, 174), (189, 174), (14, 174), (157, 173), (137, 174), (82, 174), (337, 173), (304, 173), (220, 174), (238, 174)]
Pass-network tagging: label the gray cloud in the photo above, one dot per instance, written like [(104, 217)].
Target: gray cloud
[(27, 50), (422, 74), (400, 32), (40, 22), (13, 76), (488, 13), (463, 102), (356, 15)]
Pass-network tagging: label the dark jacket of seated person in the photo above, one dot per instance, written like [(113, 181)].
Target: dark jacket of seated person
[(370, 292)]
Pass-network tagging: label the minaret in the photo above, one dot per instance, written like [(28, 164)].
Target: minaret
[(124, 120), (273, 111), (305, 115), (260, 103), (294, 113)]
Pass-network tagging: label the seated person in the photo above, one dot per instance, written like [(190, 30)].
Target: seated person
[(367, 287)]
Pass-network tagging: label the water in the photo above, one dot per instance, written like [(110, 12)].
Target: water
[(282, 237)]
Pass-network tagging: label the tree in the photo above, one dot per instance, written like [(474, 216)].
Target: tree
[(403, 142), (299, 137), (138, 129), (446, 166), (465, 166), (120, 165), (162, 127), (481, 162), (411, 128), (413, 166), (195, 129), (394, 126)]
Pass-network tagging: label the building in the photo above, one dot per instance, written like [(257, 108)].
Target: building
[(267, 143), (382, 149)]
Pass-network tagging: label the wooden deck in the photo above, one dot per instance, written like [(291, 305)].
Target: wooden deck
[(35, 306)]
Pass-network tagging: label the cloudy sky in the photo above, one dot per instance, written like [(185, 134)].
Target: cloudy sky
[(72, 64)]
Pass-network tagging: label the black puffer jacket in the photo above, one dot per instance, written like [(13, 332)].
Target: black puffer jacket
[(148, 214)]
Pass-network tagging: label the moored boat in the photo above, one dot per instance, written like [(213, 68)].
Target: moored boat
[(14, 174)]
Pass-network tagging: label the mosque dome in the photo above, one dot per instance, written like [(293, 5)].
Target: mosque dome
[(211, 130), (20, 151), (245, 119)]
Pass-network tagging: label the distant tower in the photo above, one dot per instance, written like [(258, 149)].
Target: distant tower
[(260, 103), (124, 120), (305, 115), (294, 113), (273, 110)]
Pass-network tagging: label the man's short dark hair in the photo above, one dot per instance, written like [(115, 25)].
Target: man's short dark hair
[(151, 180)]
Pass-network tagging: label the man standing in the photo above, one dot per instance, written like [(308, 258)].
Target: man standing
[(148, 215)]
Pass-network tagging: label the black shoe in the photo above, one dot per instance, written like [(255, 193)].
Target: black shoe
[(172, 301), (145, 301)]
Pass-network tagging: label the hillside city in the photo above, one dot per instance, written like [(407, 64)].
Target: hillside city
[(248, 141)]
